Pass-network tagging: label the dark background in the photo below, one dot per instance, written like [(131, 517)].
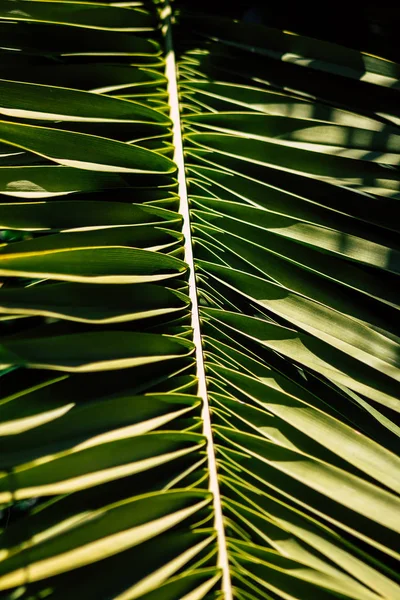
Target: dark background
[(372, 27)]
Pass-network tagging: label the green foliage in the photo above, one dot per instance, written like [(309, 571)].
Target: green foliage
[(292, 154)]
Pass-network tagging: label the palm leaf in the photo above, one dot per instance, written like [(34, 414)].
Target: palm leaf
[(199, 265)]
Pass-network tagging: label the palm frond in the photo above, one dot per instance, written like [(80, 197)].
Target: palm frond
[(199, 368)]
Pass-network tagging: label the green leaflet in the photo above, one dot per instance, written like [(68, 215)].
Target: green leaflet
[(287, 576), (140, 236), (163, 556), (366, 499), (327, 240), (76, 150), (49, 103), (267, 480), (254, 36), (150, 516), (94, 264), (338, 438), (94, 351), (81, 302), (338, 403), (315, 68), (317, 356), (93, 77), (310, 199), (63, 40), (84, 214), (80, 14), (46, 396), (285, 528), (295, 159), (194, 586), (219, 95), (369, 306), (291, 129), (134, 414), (92, 462), (51, 181), (311, 317)]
